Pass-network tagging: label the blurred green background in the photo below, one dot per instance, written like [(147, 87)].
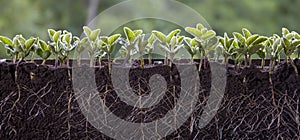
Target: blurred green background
[(34, 17)]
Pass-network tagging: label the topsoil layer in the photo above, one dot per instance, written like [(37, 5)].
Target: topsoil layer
[(38, 102)]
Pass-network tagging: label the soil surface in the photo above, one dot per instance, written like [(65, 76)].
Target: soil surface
[(38, 102)]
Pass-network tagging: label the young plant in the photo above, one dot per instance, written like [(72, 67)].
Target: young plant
[(191, 47), (68, 45), (82, 44), (107, 45), (43, 50), (149, 48), (165, 41), (24, 46), (205, 40), (273, 50), (93, 39), (10, 47), (248, 44), (55, 45), (140, 48), (289, 44), (262, 55), (130, 42), (226, 44)]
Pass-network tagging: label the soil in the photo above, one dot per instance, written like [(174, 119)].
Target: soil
[(38, 102)]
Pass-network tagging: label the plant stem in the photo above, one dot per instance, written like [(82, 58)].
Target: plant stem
[(32, 57), (109, 62), (262, 63), (99, 61), (246, 60), (142, 61), (92, 60), (166, 58), (44, 61), (192, 59), (149, 59), (56, 60), (78, 60), (293, 65)]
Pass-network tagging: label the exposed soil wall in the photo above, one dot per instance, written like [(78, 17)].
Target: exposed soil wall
[(38, 102)]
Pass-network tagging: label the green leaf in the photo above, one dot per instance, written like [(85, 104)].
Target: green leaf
[(200, 26), (29, 43), (6, 40), (208, 35), (285, 31), (172, 34), (160, 37), (67, 38), (239, 37), (295, 43), (40, 52), (193, 31), (51, 33), (254, 49), (259, 40), (94, 35), (246, 33), (112, 39), (56, 36), (87, 31), (130, 35), (151, 39), (137, 32), (251, 39), (189, 49), (43, 45), (286, 43), (46, 54)]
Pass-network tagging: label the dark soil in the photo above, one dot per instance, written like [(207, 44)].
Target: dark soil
[(38, 102)]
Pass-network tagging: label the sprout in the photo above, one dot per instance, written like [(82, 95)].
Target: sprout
[(55, 45), (43, 50), (205, 40), (273, 50), (68, 45), (192, 47), (140, 48), (10, 47), (289, 44), (82, 44), (149, 48), (106, 44), (130, 42), (226, 47), (93, 39), (166, 42), (248, 44)]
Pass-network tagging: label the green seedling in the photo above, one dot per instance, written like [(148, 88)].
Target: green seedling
[(140, 48), (43, 50), (248, 44), (150, 47), (206, 40), (93, 37), (226, 45), (130, 42), (10, 47), (192, 47), (165, 41), (68, 45), (289, 44), (82, 44), (55, 45), (23, 46), (107, 45), (273, 50)]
